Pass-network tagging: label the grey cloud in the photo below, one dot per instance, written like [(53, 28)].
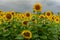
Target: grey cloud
[(22, 6)]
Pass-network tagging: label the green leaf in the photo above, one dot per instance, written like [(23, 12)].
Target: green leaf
[(43, 37), (19, 37), (35, 36)]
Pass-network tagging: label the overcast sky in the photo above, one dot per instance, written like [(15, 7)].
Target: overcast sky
[(24, 5)]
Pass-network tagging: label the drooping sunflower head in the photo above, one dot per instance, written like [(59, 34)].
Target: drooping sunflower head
[(24, 23), (8, 16), (26, 34), (34, 20), (41, 16), (48, 14), (37, 7)]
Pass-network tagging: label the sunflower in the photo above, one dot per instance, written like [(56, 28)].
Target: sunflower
[(22, 16), (12, 12), (53, 17), (9, 16), (18, 16), (48, 14), (24, 23), (28, 15), (26, 34), (37, 7), (34, 20), (57, 20), (41, 16), (3, 18), (5, 29)]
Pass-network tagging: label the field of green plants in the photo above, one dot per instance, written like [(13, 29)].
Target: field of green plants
[(30, 26)]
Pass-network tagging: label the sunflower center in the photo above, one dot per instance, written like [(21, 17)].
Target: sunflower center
[(37, 7), (57, 20), (0, 11), (48, 14), (12, 13), (6, 28), (8, 16), (53, 18), (27, 14), (42, 17), (27, 34), (25, 22)]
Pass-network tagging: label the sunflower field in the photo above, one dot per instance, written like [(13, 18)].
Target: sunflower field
[(30, 26)]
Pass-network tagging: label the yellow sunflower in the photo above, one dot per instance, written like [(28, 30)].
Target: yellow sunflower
[(3, 18), (41, 16), (8, 16), (28, 15), (25, 22), (53, 17), (48, 14), (12, 12), (22, 16), (57, 20), (37, 7), (34, 20), (18, 16), (26, 34)]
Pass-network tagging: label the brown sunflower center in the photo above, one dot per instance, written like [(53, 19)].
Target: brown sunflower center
[(28, 15), (0, 11), (57, 20), (48, 14), (27, 34), (53, 18), (25, 22), (42, 17), (12, 13), (8, 16), (37, 7)]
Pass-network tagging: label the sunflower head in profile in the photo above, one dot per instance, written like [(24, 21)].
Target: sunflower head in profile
[(37, 7), (25, 22), (8, 16), (57, 20), (48, 14), (41, 16), (26, 34)]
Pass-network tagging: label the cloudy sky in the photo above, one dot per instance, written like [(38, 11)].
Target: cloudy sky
[(24, 5)]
